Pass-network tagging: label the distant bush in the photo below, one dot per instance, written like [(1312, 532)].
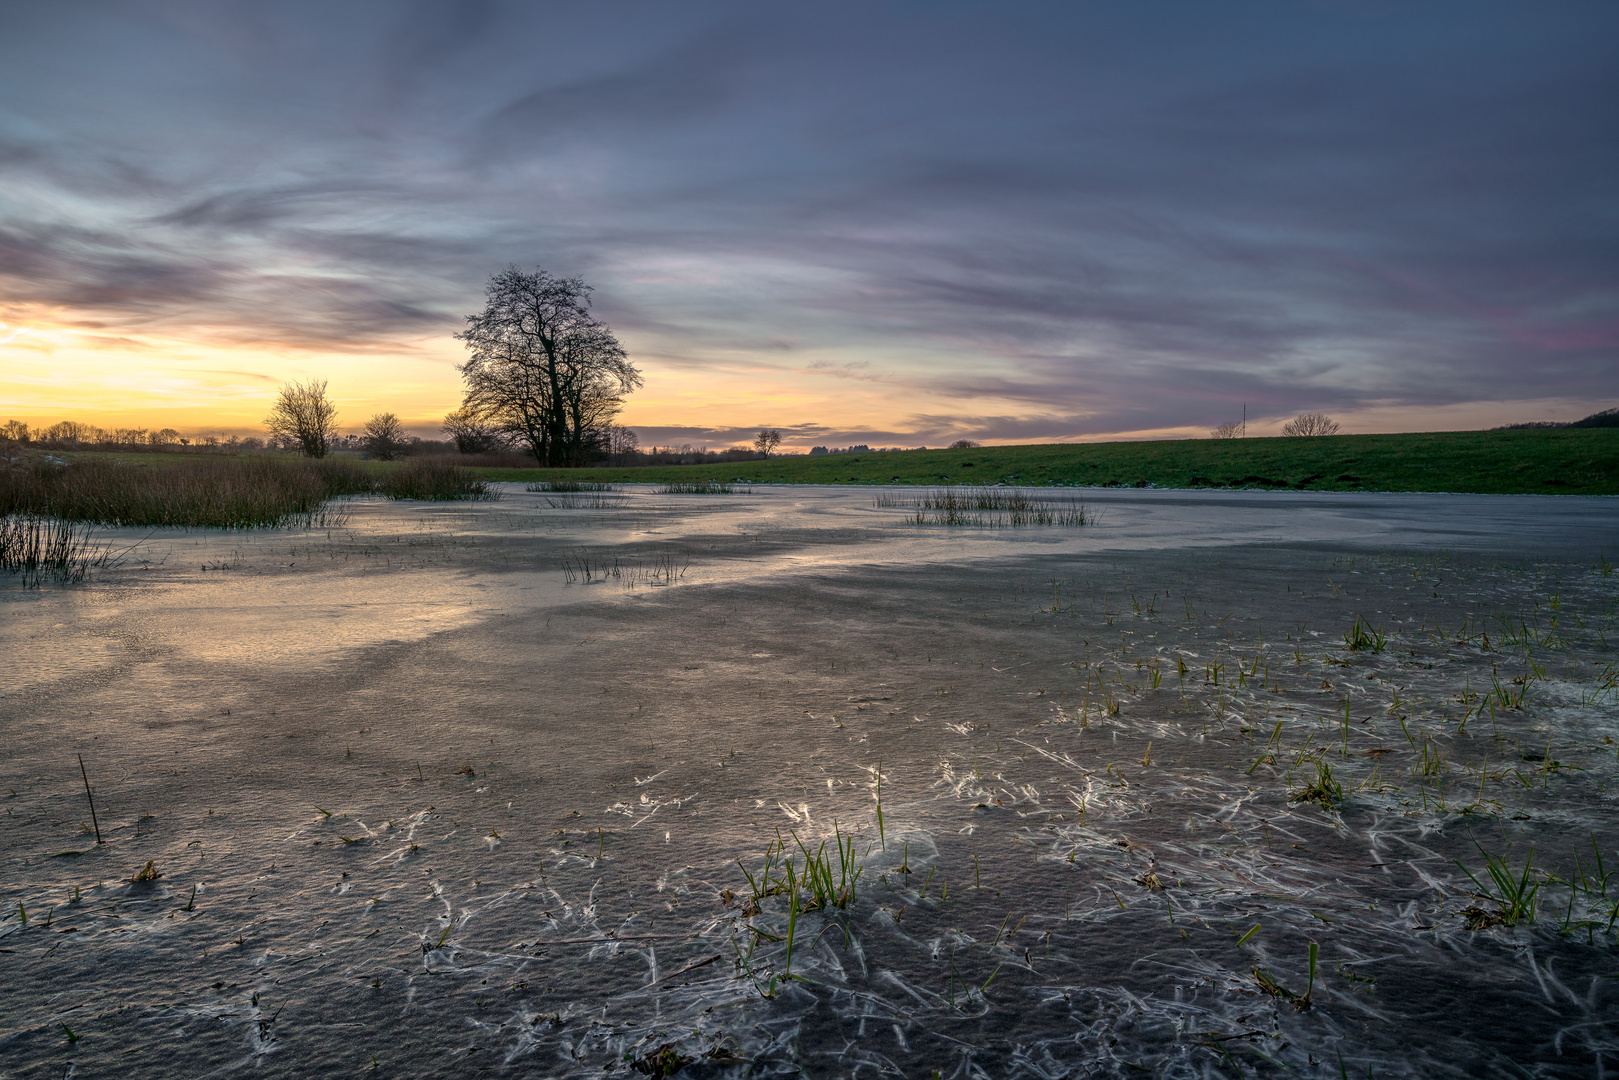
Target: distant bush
[(1310, 424), (1605, 418)]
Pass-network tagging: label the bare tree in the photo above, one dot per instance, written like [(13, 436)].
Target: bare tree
[(384, 436), (1232, 430), (1310, 423), (963, 444), (15, 431), (622, 444), (767, 441), (72, 433), (302, 414), (472, 433), (543, 369)]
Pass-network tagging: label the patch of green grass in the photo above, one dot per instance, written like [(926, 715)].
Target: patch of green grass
[(1576, 461), (1363, 635), (1322, 788), (1515, 894)]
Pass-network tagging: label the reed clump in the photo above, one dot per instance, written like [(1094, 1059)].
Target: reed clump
[(227, 493), (1515, 894), (436, 481), (576, 494), (813, 881), (1323, 788), (697, 487), (40, 549), (219, 493), (568, 487), (988, 507)]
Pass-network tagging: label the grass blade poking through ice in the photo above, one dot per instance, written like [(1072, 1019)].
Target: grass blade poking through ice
[(1515, 893), (880, 834)]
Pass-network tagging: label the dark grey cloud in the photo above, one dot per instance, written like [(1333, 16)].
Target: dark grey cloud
[(1097, 218)]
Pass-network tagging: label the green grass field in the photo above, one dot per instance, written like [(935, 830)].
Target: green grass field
[(1567, 461), (1549, 462)]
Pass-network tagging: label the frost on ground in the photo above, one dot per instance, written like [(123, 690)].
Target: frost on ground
[(414, 803)]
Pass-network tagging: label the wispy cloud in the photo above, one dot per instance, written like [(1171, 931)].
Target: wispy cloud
[(1048, 224)]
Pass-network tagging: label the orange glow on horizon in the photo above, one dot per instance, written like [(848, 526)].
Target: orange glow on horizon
[(56, 369)]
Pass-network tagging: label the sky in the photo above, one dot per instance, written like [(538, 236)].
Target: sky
[(881, 223)]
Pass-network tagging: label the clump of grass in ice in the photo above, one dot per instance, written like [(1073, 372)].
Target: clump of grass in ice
[(1322, 788), (568, 487), (1515, 895), (989, 507), (810, 876), (1365, 636), (700, 487)]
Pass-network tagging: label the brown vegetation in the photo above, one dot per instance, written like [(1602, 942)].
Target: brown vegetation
[(216, 492)]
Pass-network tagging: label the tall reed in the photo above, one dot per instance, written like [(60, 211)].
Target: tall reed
[(224, 493), (227, 493), (41, 549), (984, 506), (433, 481)]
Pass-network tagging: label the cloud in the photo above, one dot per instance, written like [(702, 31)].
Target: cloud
[(1041, 225)]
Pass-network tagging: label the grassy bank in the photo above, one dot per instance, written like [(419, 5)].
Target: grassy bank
[(1563, 461)]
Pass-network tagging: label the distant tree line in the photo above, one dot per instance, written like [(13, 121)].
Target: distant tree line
[(70, 434), (862, 448), (1605, 418)]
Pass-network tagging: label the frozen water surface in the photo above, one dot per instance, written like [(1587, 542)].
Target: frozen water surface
[(480, 790)]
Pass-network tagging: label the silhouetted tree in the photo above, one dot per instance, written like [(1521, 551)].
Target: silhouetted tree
[(471, 432), (1233, 430), (72, 433), (384, 437), (543, 369), (767, 441), (1310, 423), (963, 444), (622, 445), (303, 415)]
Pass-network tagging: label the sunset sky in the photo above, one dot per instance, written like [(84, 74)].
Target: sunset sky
[(897, 224)]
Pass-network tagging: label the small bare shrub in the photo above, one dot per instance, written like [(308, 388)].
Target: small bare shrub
[(1312, 423)]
